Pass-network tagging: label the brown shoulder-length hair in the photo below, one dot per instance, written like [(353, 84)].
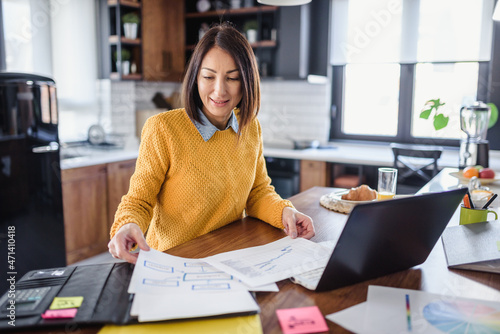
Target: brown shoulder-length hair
[(235, 44)]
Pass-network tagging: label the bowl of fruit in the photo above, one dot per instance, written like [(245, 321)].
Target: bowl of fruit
[(484, 174)]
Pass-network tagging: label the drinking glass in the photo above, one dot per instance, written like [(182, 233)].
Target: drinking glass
[(387, 181)]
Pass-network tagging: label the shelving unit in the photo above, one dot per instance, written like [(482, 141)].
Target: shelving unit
[(267, 20), (119, 44)]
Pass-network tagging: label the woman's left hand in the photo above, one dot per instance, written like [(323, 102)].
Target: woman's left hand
[(297, 224)]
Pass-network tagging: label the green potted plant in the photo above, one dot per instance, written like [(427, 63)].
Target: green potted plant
[(440, 121), (250, 29), (123, 62), (130, 24)]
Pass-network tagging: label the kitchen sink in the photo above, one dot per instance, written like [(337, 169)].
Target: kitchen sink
[(72, 152), (66, 155)]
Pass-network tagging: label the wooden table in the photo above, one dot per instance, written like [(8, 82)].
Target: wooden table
[(432, 276)]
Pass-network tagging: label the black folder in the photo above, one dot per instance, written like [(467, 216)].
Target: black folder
[(102, 286)]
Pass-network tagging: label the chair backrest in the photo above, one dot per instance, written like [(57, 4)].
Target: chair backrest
[(425, 155)]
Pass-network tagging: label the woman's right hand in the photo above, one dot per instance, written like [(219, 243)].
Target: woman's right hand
[(125, 239)]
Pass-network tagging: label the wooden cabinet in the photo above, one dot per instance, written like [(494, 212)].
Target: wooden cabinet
[(314, 173), (263, 18), (163, 40), (118, 182), (90, 198), (85, 211), (157, 51)]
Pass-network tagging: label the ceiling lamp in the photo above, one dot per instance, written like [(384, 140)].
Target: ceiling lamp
[(283, 2)]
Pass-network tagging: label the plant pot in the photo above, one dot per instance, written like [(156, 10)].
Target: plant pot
[(125, 67), (130, 30), (252, 36)]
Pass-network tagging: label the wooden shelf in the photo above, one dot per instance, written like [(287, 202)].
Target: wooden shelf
[(114, 40), (116, 76), (260, 44), (239, 11), (264, 44), (128, 3)]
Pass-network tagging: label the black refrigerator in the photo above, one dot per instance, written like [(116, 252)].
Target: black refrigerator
[(31, 210)]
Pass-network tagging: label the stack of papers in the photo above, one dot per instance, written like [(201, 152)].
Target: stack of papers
[(170, 287), (393, 310)]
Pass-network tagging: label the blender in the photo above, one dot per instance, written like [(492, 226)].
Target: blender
[(474, 122)]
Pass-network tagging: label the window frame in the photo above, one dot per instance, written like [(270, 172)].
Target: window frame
[(406, 90)]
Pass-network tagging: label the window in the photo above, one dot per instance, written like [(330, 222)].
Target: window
[(56, 39), (26, 26), (377, 112), (390, 56), (454, 83)]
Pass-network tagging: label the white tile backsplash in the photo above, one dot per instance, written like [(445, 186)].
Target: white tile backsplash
[(294, 110), (123, 108), (289, 109), (144, 92)]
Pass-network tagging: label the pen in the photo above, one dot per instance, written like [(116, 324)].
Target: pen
[(466, 201), (490, 201), (470, 200)]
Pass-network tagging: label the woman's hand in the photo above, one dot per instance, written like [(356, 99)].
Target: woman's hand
[(126, 238), (297, 224)]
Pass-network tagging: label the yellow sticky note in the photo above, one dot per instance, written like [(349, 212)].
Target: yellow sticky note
[(66, 302), (498, 245)]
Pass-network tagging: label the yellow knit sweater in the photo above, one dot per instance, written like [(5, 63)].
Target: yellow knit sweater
[(184, 187)]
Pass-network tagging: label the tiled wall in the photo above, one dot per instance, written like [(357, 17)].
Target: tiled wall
[(294, 109), (289, 109)]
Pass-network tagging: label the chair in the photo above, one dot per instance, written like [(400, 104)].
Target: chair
[(347, 176), (412, 162)]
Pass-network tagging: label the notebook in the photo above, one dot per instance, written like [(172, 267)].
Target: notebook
[(473, 246), (101, 290), (384, 237)]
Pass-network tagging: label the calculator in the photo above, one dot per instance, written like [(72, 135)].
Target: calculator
[(26, 299)]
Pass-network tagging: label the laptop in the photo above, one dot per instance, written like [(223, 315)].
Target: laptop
[(384, 237)]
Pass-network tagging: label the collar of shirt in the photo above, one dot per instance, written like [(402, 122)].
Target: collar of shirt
[(207, 129)]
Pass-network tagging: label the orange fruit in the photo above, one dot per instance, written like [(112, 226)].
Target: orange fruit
[(470, 171)]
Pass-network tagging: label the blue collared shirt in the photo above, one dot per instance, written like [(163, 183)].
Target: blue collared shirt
[(207, 129)]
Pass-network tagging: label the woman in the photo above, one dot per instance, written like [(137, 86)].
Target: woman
[(202, 167)]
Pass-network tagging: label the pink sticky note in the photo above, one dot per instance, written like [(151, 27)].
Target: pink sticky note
[(302, 320), (60, 314)]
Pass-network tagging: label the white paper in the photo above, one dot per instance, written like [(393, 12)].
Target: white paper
[(311, 278), (385, 312), (351, 318), (171, 287), (157, 272), (167, 307), (272, 262)]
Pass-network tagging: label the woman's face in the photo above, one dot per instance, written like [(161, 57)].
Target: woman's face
[(219, 86)]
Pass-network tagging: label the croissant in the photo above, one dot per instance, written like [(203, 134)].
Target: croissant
[(361, 193)]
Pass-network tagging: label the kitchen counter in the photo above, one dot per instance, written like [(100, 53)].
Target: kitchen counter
[(365, 154), (87, 155), (343, 153)]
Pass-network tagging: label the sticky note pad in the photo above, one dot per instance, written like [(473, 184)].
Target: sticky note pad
[(498, 245), (60, 314), (66, 302), (301, 320)]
